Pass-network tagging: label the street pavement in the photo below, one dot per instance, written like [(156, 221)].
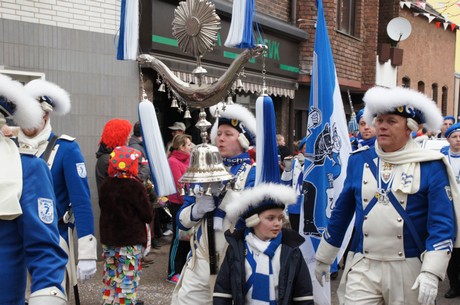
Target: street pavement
[(155, 290)]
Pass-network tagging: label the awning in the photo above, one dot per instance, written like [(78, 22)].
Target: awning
[(247, 87), (251, 82)]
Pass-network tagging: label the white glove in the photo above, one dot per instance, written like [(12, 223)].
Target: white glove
[(86, 269), (218, 223), (320, 270), (428, 283), (203, 204)]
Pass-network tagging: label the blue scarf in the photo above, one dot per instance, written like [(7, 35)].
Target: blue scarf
[(360, 142), (261, 279), (238, 159)]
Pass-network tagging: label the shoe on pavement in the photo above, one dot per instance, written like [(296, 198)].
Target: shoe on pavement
[(168, 232), (174, 279), (452, 293), (155, 244), (139, 302)]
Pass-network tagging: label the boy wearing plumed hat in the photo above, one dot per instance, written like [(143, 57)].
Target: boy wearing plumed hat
[(263, 262), (233, 133), (65, 160), (29, 237), (402, 197)]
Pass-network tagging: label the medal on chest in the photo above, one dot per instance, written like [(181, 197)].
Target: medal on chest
[(385, 180)]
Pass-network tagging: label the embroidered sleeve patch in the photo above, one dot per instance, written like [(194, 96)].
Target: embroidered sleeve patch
[(81, 170), (46, 210)]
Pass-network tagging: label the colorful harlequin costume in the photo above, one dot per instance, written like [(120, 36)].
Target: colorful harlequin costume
[(196, 284), (29, 237), (125, 211), (404, 212)]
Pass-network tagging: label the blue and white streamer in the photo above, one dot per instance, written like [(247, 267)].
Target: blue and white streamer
[(267, 169), (128, 39), (162, 177), (241, 34)]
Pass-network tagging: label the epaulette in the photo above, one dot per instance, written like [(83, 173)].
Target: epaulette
[(364, 148), (67, 138)]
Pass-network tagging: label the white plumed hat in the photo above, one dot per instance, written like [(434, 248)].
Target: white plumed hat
[(406, 102), (52, 97), (15, 102)]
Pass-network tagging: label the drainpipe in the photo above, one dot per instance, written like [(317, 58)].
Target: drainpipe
[(293, 11)]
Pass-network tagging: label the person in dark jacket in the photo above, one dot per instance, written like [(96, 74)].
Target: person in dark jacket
[(115, 133), (125, 211), (263, 262)]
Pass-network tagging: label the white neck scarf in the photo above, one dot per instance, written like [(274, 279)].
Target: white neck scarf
[(10, 180), (263, 290), (38, 142)]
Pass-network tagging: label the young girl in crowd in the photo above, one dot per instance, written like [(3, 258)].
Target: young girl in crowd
[(125, 209)]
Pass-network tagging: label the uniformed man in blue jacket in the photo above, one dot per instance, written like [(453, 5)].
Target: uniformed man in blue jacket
[(29, 238), (65, 160), (403, 200)]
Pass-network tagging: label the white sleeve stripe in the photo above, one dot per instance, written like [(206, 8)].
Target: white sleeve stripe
[(305, 298), (222, 295)]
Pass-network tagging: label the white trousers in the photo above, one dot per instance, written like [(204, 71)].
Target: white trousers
[(196, 285), (382, 282)]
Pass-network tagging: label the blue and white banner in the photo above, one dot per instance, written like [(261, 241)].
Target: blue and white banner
[(241, 34), (327, 152), (128, 39)]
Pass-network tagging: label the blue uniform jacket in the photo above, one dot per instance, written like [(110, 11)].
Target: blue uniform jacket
[(430, 209), (31, 241), (71, 186)]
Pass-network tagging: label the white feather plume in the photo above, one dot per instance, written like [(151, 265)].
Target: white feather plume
[(40, 87), (250, 198), (28, 113), (383, 100), (233, 111)]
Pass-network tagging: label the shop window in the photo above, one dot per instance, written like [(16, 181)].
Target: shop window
[(346, 17)]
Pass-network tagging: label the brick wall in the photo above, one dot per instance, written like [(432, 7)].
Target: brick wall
[(101, 16), (429, 56), (354, 56), (279, 9)]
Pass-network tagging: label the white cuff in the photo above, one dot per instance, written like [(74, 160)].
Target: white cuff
[(87, 247), (436, 262), (48, 296), (326, 253)]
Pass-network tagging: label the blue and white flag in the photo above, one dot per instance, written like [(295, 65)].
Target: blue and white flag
[(327, 152), (128, 39), (241, 34)]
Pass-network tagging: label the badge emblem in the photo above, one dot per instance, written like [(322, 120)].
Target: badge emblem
[(46, 210), (81, 169)]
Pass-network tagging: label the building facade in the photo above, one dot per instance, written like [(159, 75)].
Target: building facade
[(72, 43)]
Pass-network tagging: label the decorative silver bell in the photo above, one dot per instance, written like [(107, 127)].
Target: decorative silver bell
[(205, 161), (174, 103), (162, 88), (239, 84), (187, 114), (229, 100), (205, 166)]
